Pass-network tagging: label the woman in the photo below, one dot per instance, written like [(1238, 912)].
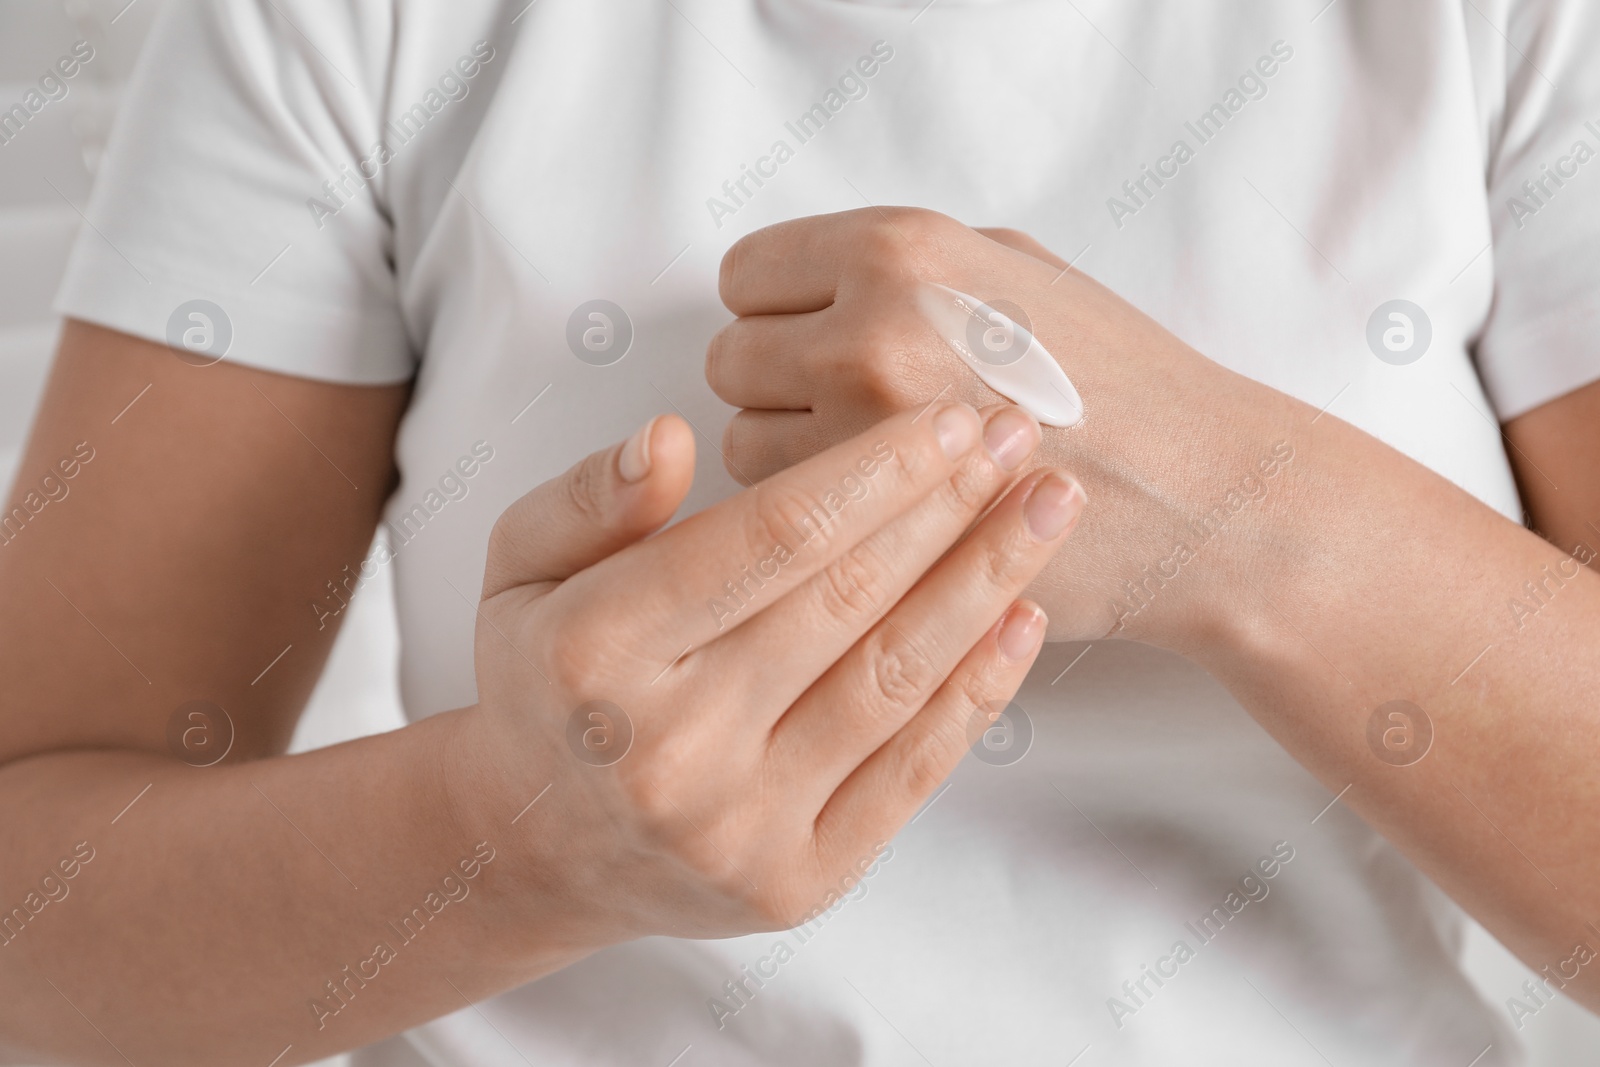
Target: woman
[(365, 262)]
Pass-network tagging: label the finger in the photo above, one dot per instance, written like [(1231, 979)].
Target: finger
[(877, 798), (793, 266), (717, 569), (1024, 243), (853, 592), (606, 502), (789, 267), (759, 444), (768, 361), (874, 689)]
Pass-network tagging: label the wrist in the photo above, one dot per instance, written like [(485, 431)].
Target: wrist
[(1204, 502), (1267, 534), (497, 788)]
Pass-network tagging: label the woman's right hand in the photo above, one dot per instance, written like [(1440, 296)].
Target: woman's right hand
[(734, 715)]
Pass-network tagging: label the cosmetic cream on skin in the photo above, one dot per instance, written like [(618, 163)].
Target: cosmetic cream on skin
[(1002, 352)]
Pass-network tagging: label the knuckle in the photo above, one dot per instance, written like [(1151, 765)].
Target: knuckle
[(786, 516), (1007, 235), (882, 372), (722, 356), (921, 231), (698, 837), (972, 689), (890, 245), (897, 677), (879, 338), (651, 780), (894, 242), (748, 453), (717, 358), (654, 817), (1001, 563), (914, 223), (584, 488), (917, 459), (505, 535), (513, 548), (928, 226), (850, 585), (971, 489), (878, 385)]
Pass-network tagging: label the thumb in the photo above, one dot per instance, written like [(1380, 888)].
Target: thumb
[(605, 503)]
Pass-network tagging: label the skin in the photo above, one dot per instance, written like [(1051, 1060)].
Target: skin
[(213, 909), (1358, 576), (210, 906)]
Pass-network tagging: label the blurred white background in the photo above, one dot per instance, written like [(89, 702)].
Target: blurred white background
[(45, 176)]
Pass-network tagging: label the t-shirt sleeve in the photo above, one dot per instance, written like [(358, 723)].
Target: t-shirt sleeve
[(231, 215), (1542, 338)]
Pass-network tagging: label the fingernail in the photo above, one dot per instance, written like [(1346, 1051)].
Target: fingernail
[(1011, 437), (957, 427), (634, 462), (1054, 503), (1021, 631)]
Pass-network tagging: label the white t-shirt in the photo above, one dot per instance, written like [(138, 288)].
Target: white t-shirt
[(54, 140), (1336, 157)]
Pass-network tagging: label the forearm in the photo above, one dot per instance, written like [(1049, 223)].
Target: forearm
[(220, 903), (1315, 571), (1363, 578)]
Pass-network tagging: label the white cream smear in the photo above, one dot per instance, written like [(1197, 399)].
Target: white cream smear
[(1002, 352)]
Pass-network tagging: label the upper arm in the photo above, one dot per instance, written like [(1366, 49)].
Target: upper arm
[(1555, 451), (169, 530)]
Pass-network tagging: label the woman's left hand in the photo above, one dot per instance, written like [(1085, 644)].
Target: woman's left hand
[(1324, 578), (1174, 451)]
